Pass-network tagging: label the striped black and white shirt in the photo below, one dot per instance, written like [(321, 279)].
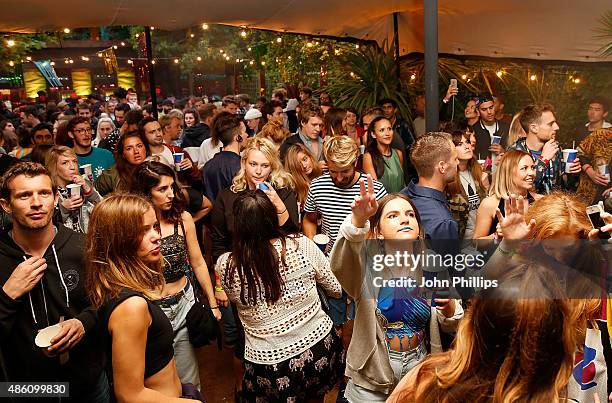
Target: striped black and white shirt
[(334, 203)]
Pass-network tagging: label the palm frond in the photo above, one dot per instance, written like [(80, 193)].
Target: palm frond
[(604, 32)]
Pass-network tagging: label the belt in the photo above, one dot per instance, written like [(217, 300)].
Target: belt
[(167, 302), (413, 341)]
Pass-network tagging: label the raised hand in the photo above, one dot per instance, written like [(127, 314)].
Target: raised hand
[(365, 205), (513, 225)]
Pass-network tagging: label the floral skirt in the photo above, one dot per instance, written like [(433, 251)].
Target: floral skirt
[(308, 375)]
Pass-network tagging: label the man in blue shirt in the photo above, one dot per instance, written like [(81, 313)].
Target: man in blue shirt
[(435, 158), (79, 130)]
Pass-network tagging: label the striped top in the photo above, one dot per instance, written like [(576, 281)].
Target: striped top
[(334, 203)]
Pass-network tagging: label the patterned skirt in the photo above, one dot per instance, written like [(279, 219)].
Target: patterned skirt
[(308, 375)]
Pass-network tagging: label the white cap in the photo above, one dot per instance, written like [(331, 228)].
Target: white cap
[(252, 113), (291, 105)]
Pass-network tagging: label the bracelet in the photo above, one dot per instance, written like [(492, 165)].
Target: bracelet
[(218, 289), (544, 160), (508, 253), (282, 212), (214, 307)]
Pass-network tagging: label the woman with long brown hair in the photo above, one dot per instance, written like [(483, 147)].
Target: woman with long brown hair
[(132, 150), (333, 122), (124, 276), (292, 351), (382, 161), (469, 188), (395, 325), (301, 164)]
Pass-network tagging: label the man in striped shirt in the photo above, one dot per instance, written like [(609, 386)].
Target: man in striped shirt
[(331, 195)]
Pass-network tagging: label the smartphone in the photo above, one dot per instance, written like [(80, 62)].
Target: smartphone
[(262, 186), (596, 221), (453, 82)]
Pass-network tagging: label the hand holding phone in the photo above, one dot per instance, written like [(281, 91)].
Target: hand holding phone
[(594, 212)]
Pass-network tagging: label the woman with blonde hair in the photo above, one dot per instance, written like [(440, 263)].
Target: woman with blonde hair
[(510, 347), (515, 175), (516, 131), (124, 276), (75, 208), (303, 168), (104, 128), (275, 132)]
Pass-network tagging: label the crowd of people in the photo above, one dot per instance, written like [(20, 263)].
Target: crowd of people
[(132, 231)]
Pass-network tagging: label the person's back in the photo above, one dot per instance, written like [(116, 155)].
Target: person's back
[(217, 174)]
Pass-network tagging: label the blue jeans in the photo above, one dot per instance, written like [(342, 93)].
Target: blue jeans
[(337, 309)]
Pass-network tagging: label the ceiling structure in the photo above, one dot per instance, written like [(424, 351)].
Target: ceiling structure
[(541, 30)]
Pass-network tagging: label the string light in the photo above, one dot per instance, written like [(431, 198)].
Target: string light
[(243, 33), (52, 63), (99, 54), (176, 61), (336, 51), (199, 59), (192, 35), (227, 57), (309, 44), (352, 74), (251, 62), (249, 48), (115, 47), (10, 43), (279, 39), (357, 46), (152, 28), (499, 73), (463, 77), (533, 77), (122, 43), (413, 77), (204, 26), (108, 59), (221, 51), (130, 61), (28, 58), (66, 30), (289, 57), (71, 61), (152, 61), (137, 35), (576, 81), (237, 60), (11, 63), (263, 63)]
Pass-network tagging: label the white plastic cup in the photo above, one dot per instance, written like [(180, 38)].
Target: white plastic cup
[(178, 158), (43, 338), (362, 149), (74, 189), (321, 240), (569, 155), (496, 140), (604, 170)]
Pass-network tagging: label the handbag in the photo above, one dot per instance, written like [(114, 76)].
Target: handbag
[(202, 326)]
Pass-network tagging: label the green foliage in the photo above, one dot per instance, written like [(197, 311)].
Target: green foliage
[(24, 44), (366, 75), (604, 32)]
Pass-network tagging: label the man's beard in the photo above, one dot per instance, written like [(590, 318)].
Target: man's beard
[(345, 183)]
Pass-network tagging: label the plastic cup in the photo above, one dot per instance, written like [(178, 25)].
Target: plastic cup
[(321, 240), (604, 170), (569, 155), (178, 158), (43, 338), (362, 149), (74, 189), (496, 140)]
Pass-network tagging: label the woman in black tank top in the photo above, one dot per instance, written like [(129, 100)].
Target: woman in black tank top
[(124, 276), (180, 253), (514, 175)]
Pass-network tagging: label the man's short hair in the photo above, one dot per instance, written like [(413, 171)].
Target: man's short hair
[(429, 150), (148, 108), (243, 98), (387, 101), (175, 114), (307, 91), (280, 93), (601, 100), (207, 110), (165, 120), (31, 110), (123, 107), (224, 126), (482, 98), (228, 99), (40, 127), (29, 169), (341, 150), (374, 110), (144, 122), (533, 114), (310, 112), (75, 121), (133, 116), (84, 105), (268, 108)]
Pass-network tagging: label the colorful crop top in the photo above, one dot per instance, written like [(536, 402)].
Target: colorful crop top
[(406, 313)]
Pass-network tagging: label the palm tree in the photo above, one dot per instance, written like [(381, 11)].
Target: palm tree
[(605, 33)]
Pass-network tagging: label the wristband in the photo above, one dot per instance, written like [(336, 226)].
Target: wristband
[(544, 160), (218, 289), (508, 253), (214, 307), (282, 212)]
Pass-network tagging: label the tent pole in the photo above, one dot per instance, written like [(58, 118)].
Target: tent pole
[(431, 65), (151, 71), (396, 45)]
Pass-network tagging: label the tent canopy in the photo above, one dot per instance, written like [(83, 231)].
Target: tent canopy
[(543, 29)]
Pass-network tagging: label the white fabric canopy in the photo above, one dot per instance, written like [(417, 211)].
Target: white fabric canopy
[(533, 29)]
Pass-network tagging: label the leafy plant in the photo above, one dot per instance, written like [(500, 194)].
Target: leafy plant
[(605, 33), (367, 75)]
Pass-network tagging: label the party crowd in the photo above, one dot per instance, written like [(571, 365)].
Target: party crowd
[(279, 229)]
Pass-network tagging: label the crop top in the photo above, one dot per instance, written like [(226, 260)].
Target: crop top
[(175, 256), (406, 313), (159, 351)]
